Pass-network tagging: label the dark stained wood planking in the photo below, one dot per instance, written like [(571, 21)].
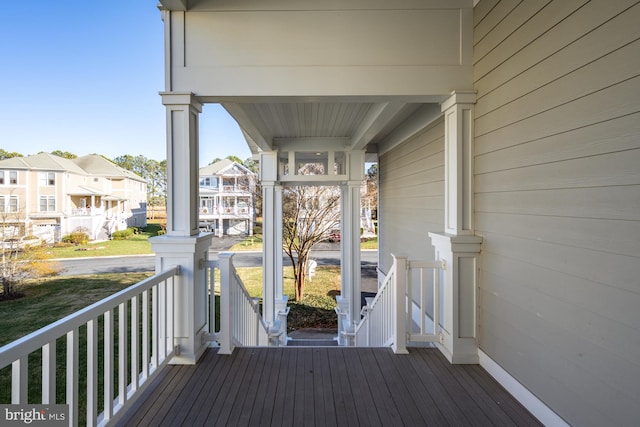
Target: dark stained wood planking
[(295, 386)]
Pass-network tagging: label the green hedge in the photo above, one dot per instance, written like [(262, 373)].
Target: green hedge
[(124, 234)]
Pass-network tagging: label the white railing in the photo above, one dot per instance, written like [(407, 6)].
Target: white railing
[(423, 307), (144, 340), (377, 328), (404, 308), (86, 211), (241, 323)]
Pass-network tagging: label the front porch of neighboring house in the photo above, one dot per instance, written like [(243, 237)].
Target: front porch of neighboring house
[(97, 213), (225, 212)]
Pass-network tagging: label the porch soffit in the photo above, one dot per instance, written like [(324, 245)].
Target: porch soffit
[(269, 126)]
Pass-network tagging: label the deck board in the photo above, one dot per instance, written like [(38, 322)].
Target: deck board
[(295, 386)]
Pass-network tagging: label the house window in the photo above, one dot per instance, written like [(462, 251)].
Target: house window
[(47, 179), (208, 181), (12, 175), (47, 203), (8, 203)]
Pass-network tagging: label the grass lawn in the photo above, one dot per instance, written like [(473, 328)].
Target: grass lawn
[(316, 310), (46, 301), (136, 245)]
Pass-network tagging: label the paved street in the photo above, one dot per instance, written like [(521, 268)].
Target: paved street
[(126, 264)]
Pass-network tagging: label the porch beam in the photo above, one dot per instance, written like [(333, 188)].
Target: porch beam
[(175, 4), (238, 112), (423, 117), (377, 118), (311, 144)]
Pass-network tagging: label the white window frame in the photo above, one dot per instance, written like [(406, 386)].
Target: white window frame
[(49, 204), (9, 204), (47, 179)]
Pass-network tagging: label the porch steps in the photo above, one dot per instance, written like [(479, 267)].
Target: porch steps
[(313, 337), (312, 343)]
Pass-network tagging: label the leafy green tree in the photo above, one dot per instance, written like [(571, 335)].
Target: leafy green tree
[(64, 154), (8, 155), (235, 159)]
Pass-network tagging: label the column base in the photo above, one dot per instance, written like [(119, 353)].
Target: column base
[(282, 311), (344, 325), (190, 291), (458, 334)]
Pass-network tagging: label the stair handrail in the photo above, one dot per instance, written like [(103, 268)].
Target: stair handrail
[(241, 323), (389, 318)]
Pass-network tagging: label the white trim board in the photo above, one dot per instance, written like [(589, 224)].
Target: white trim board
[(542, 412)]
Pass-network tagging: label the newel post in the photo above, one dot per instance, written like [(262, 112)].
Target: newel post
[(400, 303), (224, 263)]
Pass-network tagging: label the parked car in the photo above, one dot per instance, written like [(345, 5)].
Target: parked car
[(334, 236)]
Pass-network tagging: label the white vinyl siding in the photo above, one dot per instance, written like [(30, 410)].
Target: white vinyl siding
[(557, 200), (411, 194)]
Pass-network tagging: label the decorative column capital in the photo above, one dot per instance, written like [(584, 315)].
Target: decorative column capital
[(181, 98), (458, 97)]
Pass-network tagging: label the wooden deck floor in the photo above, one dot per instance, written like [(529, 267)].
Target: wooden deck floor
[(296, 386)]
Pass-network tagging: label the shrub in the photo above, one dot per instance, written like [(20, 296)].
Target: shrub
[(123, 234), (79, 236)]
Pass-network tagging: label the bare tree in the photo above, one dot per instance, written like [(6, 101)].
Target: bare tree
[(19, 258), (309, 215)]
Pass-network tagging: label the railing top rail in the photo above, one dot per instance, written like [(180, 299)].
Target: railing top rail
[(426, 264), (35, 340)]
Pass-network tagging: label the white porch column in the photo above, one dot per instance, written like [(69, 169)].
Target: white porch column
[(182, 163), (458, 246), (350, 246), (274, 302), (183, 245)]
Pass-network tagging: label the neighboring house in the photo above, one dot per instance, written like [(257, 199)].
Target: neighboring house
[(227, 198), (50, 196)]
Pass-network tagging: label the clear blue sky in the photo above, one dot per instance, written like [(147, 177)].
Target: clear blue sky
[(84, 76)]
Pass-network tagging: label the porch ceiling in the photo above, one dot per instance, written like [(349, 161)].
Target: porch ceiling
[(361, 125)]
